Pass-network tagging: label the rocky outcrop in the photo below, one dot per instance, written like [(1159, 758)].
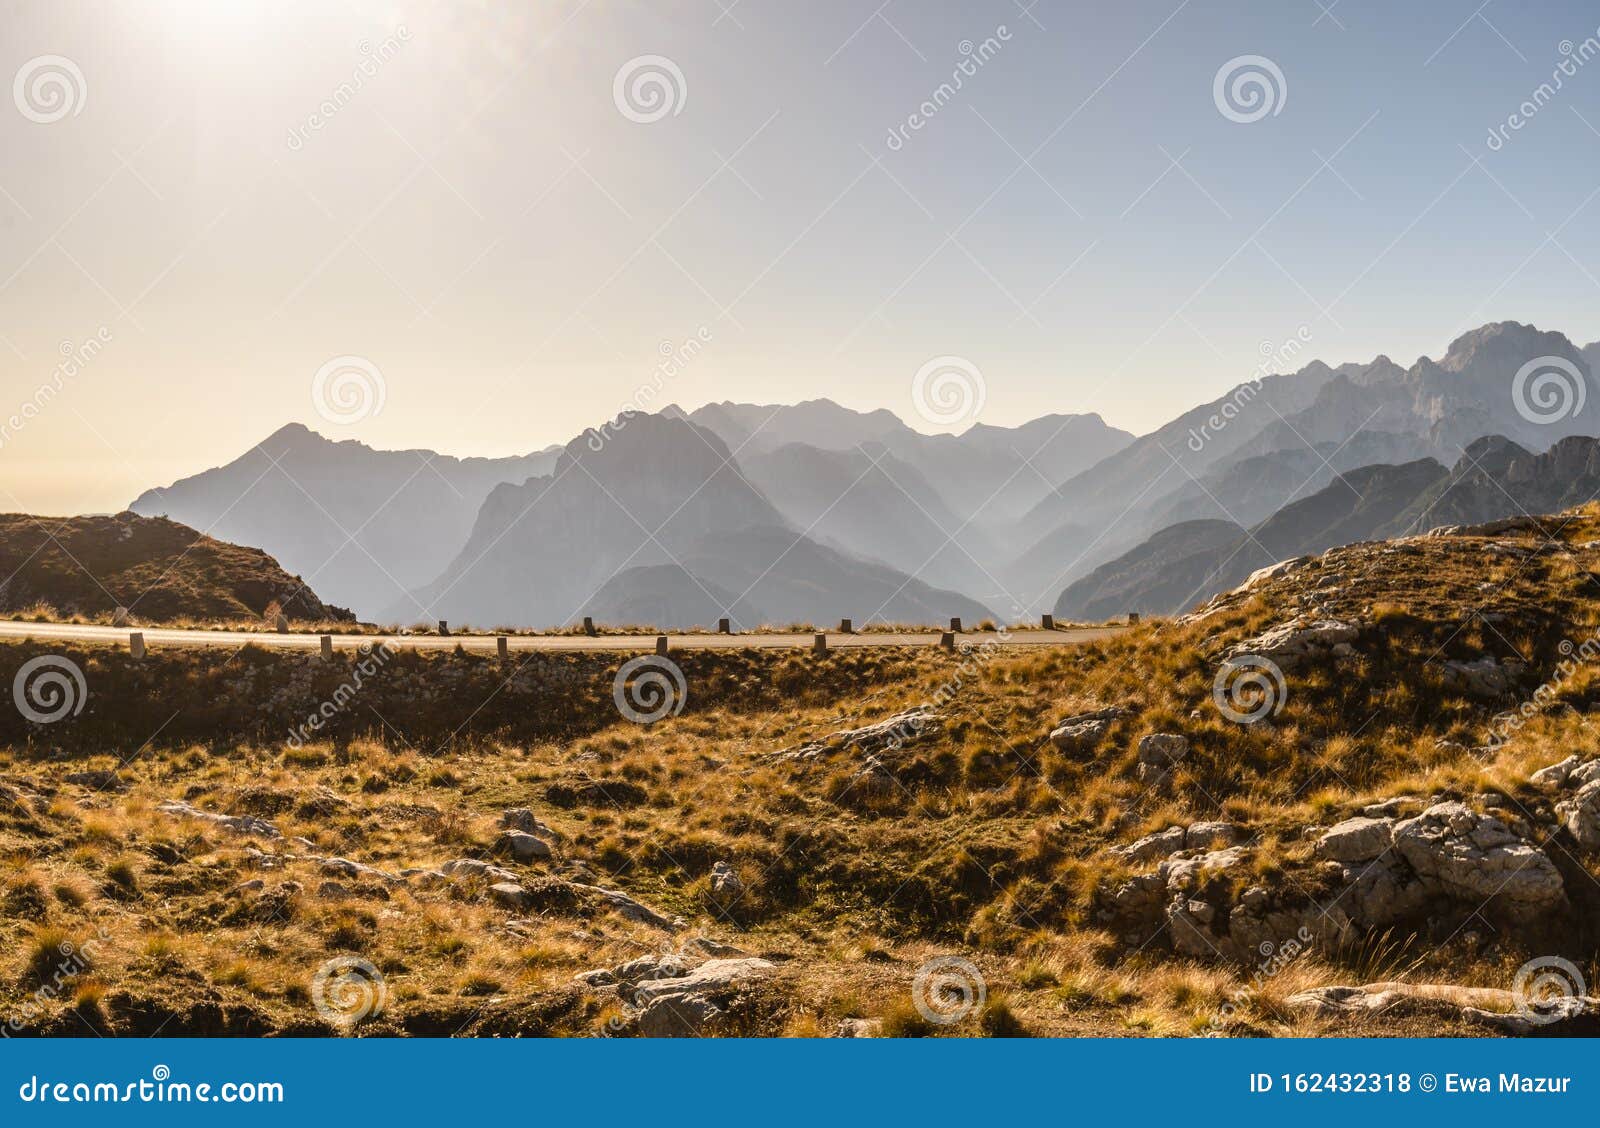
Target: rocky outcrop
[(469, 868), (1185, 903), (238, 824), (675, 996), (1385, 870), (522, 846), (1211, 835), (1272, 572), (1572, 772), (1478, 857), (1299, 640), (1359, 839), (510, 895), (1581, 815), (1575, 784), (1173, 840), (1496, 528), (1161, 844), (629, 908), (885, 736), (344, 867), (1083, 732), (726, 887), (1392, 870), (1505, 1011), (520, 818)]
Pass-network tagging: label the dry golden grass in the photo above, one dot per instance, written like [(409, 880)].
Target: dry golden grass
[(988, 843)]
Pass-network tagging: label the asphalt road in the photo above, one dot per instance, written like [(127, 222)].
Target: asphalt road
[(162, 636)]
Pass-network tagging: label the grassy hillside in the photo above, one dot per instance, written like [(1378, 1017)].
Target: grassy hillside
[(161, 571), (1074, 878)]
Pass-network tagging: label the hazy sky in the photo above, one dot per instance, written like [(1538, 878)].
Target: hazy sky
[(229, 194)]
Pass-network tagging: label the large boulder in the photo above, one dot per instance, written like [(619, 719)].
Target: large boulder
[(524, 847), (681, 1016), (881, 737), (461, 869), (1571, 773), (1356, 840), (344, 867), (1479, 858), (686, 1005), (1161, 844), (629, 908), (714, 977), (521, 818), (1292, 643), (1210, 835), (1272, 572), (1083, 732), (1165, 843), (1581, 813), (510, 895), (1554, 777)]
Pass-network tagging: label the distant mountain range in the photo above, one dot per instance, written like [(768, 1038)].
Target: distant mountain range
[(365, 526), (1351, 416), (661, 501), (812, 511), (1494, 478)]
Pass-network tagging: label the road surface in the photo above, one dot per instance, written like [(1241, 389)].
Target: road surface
[(163, 636)]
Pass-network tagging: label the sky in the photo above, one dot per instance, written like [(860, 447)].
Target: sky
[(482, 227)]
